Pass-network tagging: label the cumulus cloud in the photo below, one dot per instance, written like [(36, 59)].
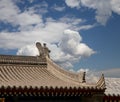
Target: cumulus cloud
[(115, 6), (28, 50), (103, 8), (71, 44), (69, 49)]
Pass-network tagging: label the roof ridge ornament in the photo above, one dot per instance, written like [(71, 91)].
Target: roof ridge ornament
[(43, 50), (84, 75), (81, 77)]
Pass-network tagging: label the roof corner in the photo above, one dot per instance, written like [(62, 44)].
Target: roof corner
[(101, 83)]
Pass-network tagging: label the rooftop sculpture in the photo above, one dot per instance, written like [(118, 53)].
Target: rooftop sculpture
[(43, 50)]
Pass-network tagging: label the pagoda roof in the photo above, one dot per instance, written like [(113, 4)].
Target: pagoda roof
[(31, 72), (35, 71)]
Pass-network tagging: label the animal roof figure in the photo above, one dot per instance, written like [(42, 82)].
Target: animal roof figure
[(43, 50)]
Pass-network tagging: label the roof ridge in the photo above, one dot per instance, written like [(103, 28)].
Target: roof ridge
[(16, 59), (77, 77)]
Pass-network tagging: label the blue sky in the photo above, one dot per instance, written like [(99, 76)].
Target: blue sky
[(82, 34)]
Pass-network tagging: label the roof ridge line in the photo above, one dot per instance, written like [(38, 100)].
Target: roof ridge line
[(73, 76), (28, 60)]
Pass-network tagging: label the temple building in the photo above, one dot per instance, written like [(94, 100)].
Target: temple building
[(39, 79)]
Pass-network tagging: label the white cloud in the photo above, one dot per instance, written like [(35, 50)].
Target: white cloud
[(70, 49), (10, 13), (82, 70), (71, 44), (86, 27), (72, 20), (73, 3), (50, 31), (8, 10), (115, 4), (27, 18), (58, 8), (75, 22), (40, 8), (104, 8), (29, 50)]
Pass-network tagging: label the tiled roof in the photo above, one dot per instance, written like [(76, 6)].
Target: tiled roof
[(112, 86), (28, 71)]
